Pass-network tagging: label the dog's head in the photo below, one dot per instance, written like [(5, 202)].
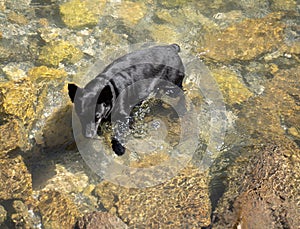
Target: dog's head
[(91, 107)]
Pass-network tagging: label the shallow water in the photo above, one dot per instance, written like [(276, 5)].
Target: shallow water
[(235, 151)]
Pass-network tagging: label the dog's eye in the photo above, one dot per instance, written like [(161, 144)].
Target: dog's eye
[(98, 115)]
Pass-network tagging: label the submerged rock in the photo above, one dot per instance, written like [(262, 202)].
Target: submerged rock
[(59, 51), (245, 40), (284, 5), (77, 14), (97, 220), (231, 87), (41, 103), (263, 190), (18, 100), (15, 179), (20, 216), (276, 109), (263, 183), (181, 201), (13, 136), (164, 33), (3, 214), (130, 12), (17, 18), (57, 210)]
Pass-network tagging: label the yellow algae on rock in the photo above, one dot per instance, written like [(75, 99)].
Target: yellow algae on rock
[(76, 14), (245, 40), (15, 179), (131, 12), (57, 210), (60, 51), (43, 72), (12, 136), (164, 34), (18, 100), (233, 90)]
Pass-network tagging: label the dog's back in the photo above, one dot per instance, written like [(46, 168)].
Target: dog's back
[(159, 62)]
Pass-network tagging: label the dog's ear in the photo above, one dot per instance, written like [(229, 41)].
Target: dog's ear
[(72, 91)]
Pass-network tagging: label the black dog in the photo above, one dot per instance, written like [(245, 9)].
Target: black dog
[(95, 102)]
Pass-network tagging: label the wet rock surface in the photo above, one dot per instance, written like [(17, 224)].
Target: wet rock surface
[(13, 137), (57, 210), (96, 220), (245, 40), (15, 179), (181, 201), (263, 181), (263, 189), (3, 214)]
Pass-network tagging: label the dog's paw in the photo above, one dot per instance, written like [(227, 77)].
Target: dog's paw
[(117, 147)]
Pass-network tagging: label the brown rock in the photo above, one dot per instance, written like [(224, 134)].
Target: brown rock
[(278, 105), (12, 136), (245, 40), (17, 18), (18, 100), (57, 210), (21, 216), (180, 202), (263, 189), (3, 214), (15, 179), (97, 220)]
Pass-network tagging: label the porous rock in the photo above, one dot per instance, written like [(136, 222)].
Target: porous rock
[(96, 220), (15, 180)]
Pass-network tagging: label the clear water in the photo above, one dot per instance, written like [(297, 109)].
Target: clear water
[(241, 93)]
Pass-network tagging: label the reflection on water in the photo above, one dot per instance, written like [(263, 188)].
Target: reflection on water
[(251, 48)]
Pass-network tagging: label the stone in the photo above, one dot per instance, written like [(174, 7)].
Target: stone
[(3, 214), (233, 90), (17, 18), (57, 52), (66, 182), (289, 5), (57, 210), (263, 190), (164, 33), (95, 220), (181, 201), (245, 40), (20, 216), (14, 71), (130, 12), (277, 107), (18, 100), (16, 182), (41, 73), (263, 181), (174, 3), (53, 109), (13, 136), (79, 14)]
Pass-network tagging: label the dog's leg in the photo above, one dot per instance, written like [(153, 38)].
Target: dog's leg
[(120, 129)]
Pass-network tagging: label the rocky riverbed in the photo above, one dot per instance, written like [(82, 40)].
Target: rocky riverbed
[(252, 51)]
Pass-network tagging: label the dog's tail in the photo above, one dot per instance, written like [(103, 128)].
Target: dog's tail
[(176, 47)]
